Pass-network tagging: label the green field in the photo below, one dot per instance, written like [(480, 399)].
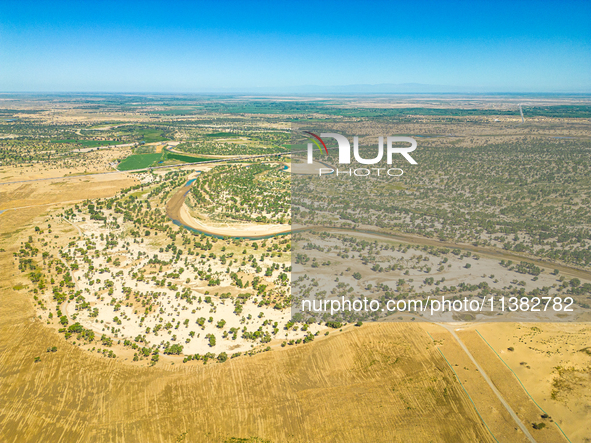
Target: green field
[(138, 161), (184, 158), (141, 161), (152, 135), (145, 134)]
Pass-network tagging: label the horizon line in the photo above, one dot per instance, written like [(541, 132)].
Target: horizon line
[(270, 93)]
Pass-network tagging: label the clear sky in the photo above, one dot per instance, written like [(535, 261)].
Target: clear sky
[(177, 46)]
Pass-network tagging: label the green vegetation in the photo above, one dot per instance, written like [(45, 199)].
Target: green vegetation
[(89, 143), (146, 134), (222, 135), (529, 196), (333, 109), (139, 161), (228, 143), (256, 193), (184, 158)]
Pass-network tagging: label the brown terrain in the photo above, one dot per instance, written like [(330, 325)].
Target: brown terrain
[(380, 382)]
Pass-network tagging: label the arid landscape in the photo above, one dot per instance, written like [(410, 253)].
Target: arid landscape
[(152, 250)]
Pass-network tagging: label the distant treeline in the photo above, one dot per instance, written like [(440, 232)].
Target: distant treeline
[(578, 111)]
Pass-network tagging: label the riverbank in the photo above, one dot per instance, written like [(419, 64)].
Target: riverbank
[(178, 212)]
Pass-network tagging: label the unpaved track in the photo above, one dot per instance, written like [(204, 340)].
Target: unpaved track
[(490, 383), (490, 252)]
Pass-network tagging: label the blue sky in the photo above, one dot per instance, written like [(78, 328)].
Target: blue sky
[(152, 46)]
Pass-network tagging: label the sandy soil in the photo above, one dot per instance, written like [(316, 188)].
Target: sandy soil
[(170, 309), (539, 349), (232, 230), (176, 209), (414, 266), (60, 190), (96, 162), (301, 168)]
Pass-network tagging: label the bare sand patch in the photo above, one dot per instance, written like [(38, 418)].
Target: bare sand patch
[(538, 350), (232, 229)]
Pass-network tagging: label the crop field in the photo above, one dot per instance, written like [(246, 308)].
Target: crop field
[(184, 158), (145, 159), (139, 161), (370, 379)]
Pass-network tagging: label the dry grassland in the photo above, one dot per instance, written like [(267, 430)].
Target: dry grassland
[(380, 382), (489, 406), (539, 349), (373, 384), (95, 162), (502, 378)]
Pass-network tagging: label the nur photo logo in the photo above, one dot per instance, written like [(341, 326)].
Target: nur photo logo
[(344, 147)]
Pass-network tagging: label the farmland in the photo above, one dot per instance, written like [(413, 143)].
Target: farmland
[(139, 161)]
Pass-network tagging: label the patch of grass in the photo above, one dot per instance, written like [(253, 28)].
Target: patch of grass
[(184, 158), (139, 161), (145, 150)]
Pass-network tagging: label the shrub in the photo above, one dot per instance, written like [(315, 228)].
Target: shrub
[(334, 324)]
